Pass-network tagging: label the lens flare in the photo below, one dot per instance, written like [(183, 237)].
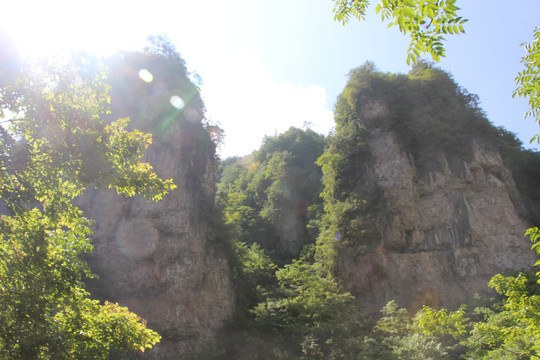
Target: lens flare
[(146, 75), (136, 238), (177, 102)]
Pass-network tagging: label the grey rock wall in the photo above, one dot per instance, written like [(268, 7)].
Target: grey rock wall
[(164, 260), (445, 227)]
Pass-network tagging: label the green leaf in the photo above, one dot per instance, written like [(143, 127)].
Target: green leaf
[(401, 22), (408, 13)]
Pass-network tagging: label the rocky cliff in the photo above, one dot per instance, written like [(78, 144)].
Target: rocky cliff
[(444, 230), (447, 216), (163, 260)]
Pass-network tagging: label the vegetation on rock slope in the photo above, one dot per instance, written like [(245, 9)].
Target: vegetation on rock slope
[(298, 310)]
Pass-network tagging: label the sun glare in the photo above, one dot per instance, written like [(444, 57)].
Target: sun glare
[(146, 75), (177, 102), (59, 27), (104, 27)]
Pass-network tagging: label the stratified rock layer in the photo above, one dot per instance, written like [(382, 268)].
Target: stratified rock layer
[(445, 226), (163, 260)]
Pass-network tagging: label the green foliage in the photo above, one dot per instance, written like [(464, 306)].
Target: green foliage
[(302, 144), (53, 144), (337, 338), (304, 298), (299, 315), (254, 261), (400, 334), (281, 178), (239, 195), (524, 163), (534, 235), (528, 80), (425, 108), (349, 197), (443, 322), (427, 22), (298, 310), (495, 334), (254, 274)]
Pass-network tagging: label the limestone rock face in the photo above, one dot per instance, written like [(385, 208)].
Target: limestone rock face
[(445, 226), (163, 260)]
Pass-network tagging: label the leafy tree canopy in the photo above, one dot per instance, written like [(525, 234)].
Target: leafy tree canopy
[(281, 176), (528, 80), (54, 143), (427, 22)]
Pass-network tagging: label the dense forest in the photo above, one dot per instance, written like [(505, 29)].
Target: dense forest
[(286, 214)]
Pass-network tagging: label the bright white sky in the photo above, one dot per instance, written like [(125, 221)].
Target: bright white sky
[(269, 65)]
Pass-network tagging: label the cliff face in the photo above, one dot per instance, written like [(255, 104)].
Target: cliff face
[(163, 260), (444, 226)]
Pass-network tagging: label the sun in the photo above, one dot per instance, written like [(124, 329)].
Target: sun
[(37, 32), (59, 27)]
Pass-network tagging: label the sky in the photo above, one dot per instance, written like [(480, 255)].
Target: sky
[(269, 65)]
